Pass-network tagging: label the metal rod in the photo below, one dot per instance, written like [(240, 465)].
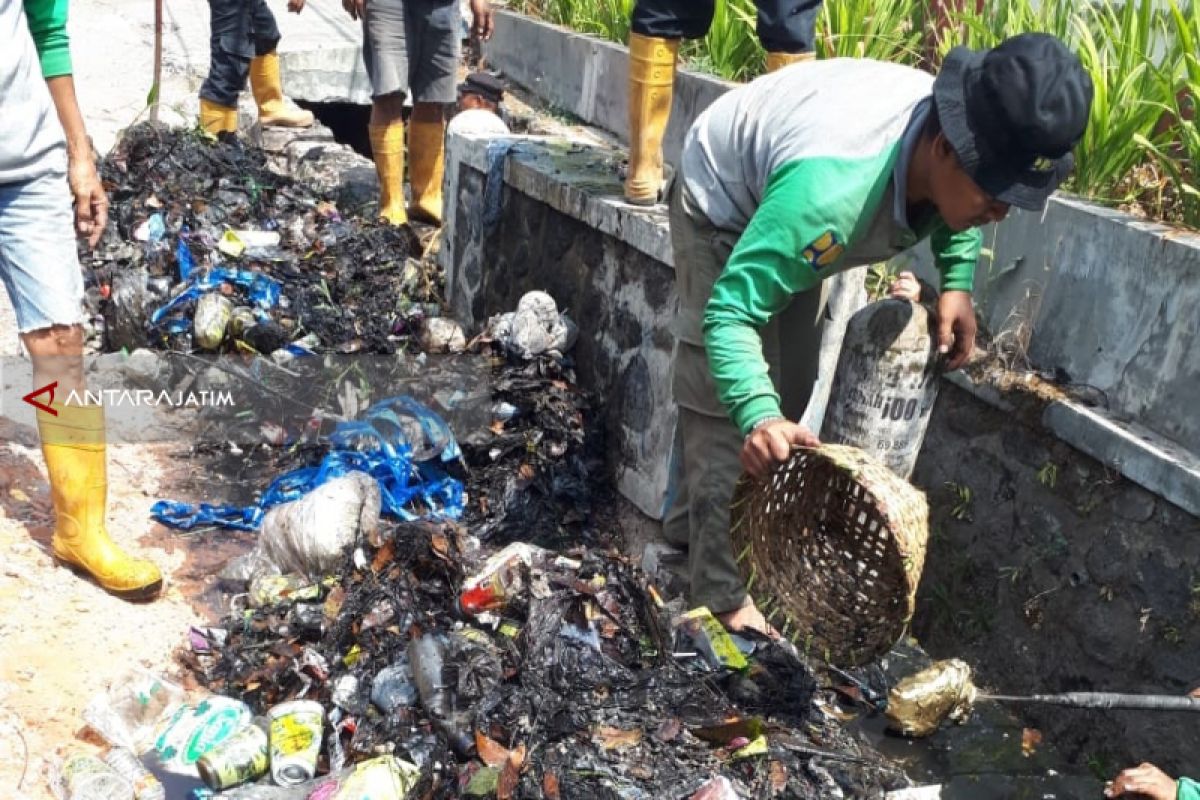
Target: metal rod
[(1106, 700)]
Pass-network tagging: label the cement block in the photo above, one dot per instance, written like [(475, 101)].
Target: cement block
[(1143, 456), (1108, 300)]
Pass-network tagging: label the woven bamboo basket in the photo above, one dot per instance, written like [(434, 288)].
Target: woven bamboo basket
[(831, 547)]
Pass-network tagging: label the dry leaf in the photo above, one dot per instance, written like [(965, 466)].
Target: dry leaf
[(333, 603), (669, 730), (491, 752), (1030, 739), (384, 556), (777, 775), (618, 739), (550, 786), (440, 544), (510, 776)]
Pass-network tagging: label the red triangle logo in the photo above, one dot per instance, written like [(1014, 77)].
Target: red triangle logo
[(50, 387)]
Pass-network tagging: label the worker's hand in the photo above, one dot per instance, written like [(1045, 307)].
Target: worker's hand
[(1145, 780), (483, 24), (1195, 692), (295, 6), (772, 444), (91, 204), (355, 8), (956, 327), (906, 287)]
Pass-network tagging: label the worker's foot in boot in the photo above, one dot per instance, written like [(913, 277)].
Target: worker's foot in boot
[(747, 618), (284, 113)]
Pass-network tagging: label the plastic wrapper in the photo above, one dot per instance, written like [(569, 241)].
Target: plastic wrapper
[(710, 639), (505, 575), (196, 728), (128, 713), (213, 312), (918, 704), (536, 327), (383, 778), (393, 687), (308, 536), (442, 335), (719, 788)]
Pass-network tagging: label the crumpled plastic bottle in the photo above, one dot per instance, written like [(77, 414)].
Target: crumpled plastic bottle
[(127, 714)]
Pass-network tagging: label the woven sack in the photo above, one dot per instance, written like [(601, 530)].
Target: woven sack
[(831, 547)]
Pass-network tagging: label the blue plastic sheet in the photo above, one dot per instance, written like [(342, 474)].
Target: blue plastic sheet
[(498, 152), (183, 257), (262, 290), (380, 444)]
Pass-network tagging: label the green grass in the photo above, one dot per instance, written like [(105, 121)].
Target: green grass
[(1141, 147)]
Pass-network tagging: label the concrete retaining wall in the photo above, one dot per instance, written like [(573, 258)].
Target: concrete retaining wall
[(1066, 292), (589, 77), (1106, 300)]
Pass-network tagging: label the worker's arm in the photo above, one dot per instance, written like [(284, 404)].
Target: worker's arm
[(809, 210), (956, 253), (1187, 789), (48, 26)]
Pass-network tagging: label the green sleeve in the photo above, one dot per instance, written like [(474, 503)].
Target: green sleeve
[(955, 253), (48, 25), (1188, 790), (809, 211)]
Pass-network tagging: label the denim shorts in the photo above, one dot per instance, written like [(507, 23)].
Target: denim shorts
[(39, 264), (413, 47)]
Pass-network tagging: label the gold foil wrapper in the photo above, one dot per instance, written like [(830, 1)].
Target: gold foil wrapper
[(921, 702)]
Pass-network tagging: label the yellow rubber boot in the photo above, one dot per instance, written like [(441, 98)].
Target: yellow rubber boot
[(273, 107), (651, 81), (426, 164), (216, 118), (73, 444), (387, 146), (780, 60)]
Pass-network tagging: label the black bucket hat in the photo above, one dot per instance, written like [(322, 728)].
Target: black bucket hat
[(1013, 114), (485, 85)]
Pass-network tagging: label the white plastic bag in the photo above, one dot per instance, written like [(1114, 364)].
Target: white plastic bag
[(310, 535), (536, 327)]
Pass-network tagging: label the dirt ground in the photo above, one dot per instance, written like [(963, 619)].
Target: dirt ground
[(62, 638)]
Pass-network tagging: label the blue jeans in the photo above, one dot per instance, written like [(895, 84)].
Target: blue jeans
[(239, 30), (39, 264)]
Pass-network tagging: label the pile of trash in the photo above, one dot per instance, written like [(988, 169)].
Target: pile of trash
[(429, 665), (209, 250), (436, 606)]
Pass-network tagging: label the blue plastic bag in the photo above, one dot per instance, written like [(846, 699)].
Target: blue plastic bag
[(377, 444)]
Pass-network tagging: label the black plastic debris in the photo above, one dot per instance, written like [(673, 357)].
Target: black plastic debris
[(184, 204)]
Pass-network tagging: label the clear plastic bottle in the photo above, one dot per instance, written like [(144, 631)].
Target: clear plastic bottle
[(131, 768), (85, 777), (127, 714)]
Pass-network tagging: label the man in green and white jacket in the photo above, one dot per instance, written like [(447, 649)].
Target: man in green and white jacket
[(817, 168)]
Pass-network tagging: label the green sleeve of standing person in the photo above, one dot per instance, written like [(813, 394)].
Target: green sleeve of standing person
[(812, 211), (48, 25), (1188, 790)]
